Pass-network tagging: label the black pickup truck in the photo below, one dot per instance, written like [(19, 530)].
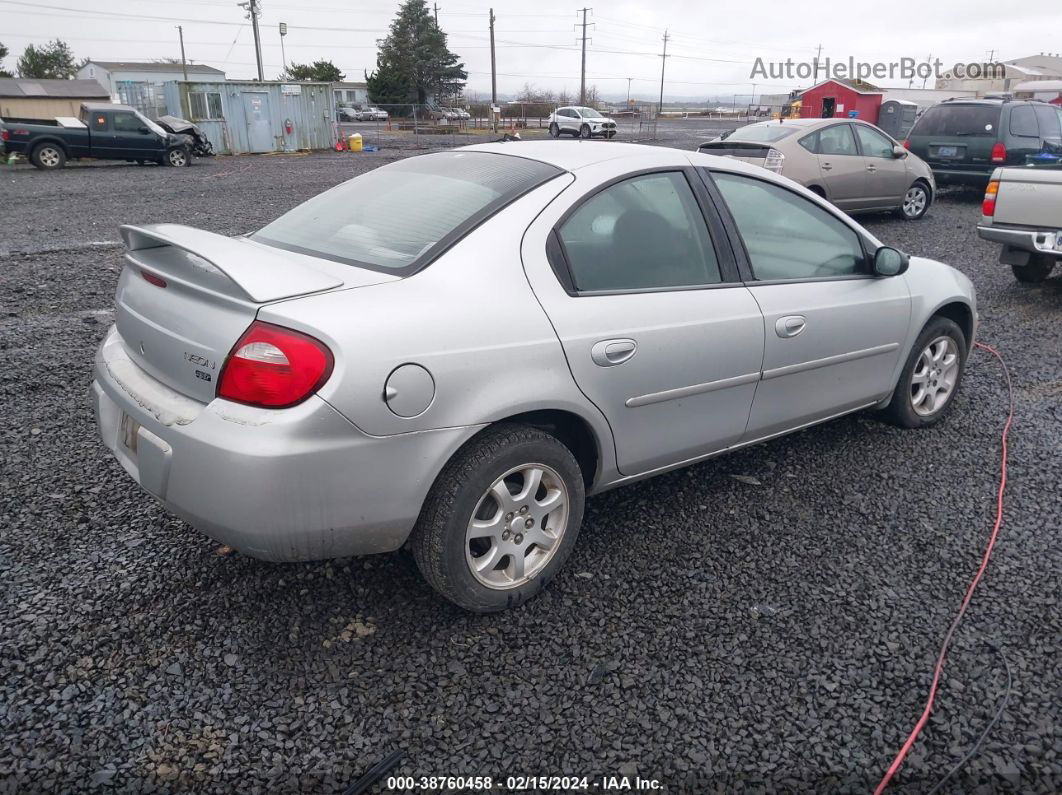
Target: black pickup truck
[(106, 132)]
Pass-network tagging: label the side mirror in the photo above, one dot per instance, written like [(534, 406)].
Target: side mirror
[(889, 261), (142, 130), (898, 151)]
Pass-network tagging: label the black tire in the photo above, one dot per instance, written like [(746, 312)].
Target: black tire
[(900, 410), (48, 156), (439, 539), (554, 130), (178, 157), (916, 210), (1037, 269), (584, 131)]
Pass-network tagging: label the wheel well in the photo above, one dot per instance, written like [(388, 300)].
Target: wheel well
[(54, 142), (572, 430), (818, 190), (961, 314)]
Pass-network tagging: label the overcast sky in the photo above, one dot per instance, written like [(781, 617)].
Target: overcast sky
[(713, 45)]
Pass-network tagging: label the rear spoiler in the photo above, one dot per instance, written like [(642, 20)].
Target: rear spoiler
[(260, 272), (735, 148)]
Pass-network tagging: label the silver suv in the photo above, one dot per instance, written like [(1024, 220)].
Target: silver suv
[(583, 122)]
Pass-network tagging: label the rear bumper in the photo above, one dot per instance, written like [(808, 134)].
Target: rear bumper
[(948, 176), (1036, 242), (295, 484)]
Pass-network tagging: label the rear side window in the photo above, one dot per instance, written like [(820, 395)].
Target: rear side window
[(643, 233), (396, 217), (979, 121), (810, 142), (837, 140), (1050, 122), (1023, 122), (99, 121)]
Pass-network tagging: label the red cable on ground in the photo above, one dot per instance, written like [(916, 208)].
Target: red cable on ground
[(969, 591)]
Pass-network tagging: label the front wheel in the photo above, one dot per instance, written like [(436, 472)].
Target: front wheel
[(1037, 269), (48, 157), (931, 376), (178, 158), (915, 202), (584, 131), (554, 130), (501, 519)]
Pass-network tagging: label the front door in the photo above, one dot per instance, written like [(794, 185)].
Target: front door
[(132, 139), (658, 332), (259, 124), (833, 333), (887, 178)]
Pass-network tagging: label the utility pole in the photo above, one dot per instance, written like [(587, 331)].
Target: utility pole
[(493, 77), (436, 15), (818, 53), (283, 33), (663, 63), (629, 79), (929, 59), (582, 74), (184, 63), (253, 10)]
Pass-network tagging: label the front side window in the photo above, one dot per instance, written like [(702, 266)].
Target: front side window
[(392, 218), (127, 122), (643, 233), (874, 143), (837, 140), (786, 235)]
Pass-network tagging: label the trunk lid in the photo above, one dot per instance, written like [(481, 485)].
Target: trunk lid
[(1028, 197), (186, 295)]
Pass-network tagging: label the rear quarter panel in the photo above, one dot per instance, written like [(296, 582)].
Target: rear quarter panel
[(470, 318)]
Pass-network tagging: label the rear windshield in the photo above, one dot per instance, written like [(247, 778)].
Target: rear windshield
[(396, 218), (965, 120), (763, 132)]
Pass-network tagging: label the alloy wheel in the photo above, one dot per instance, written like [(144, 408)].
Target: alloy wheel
[(517, 526), (49, 156), (914, 201), (935, 374), (178, 158)]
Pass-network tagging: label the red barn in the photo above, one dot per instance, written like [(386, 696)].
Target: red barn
[(837, 98)]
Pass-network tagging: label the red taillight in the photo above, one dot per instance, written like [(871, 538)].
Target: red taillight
[(988, 206), (999, 153), (274, 367), (906, 143), (4, 135), (151, 278)]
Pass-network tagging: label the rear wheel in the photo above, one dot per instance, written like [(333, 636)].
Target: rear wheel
[(1037, 269), (554, 130), (931, 376), (584, 131), (48, 157), (501, 519), (916, 202)]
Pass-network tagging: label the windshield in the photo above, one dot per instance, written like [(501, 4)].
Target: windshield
[(763, 132), (972, 120), (397, 217), (150, 124)]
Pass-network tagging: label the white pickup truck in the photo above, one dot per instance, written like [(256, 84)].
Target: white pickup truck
[(1023, 211)]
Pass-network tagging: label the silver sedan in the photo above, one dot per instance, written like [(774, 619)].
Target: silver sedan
[(456, 349)]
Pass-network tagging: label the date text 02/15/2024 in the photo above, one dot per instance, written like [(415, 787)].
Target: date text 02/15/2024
[(524, 783)]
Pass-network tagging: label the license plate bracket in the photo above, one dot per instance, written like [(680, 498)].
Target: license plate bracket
[(947, 151)]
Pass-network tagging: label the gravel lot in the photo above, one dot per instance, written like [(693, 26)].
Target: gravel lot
[(767, 634)]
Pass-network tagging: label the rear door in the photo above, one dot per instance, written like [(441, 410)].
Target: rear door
[(887, 179), (658, 331), (841, 166), (833, 333)]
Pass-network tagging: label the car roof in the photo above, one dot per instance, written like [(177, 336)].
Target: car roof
[(570, 155)]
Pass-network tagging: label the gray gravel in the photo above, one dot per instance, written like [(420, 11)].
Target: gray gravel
[(774, 632)]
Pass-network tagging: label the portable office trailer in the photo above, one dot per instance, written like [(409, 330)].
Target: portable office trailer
[(241, 117)]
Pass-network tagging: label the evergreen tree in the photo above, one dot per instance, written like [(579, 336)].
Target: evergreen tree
[(51, 61), (317, 72), (414, 63), (3, 55)]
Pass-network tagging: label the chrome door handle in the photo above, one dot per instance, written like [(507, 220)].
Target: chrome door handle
[(826, 167), (872, 168), (790, 325), (609, 353)]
